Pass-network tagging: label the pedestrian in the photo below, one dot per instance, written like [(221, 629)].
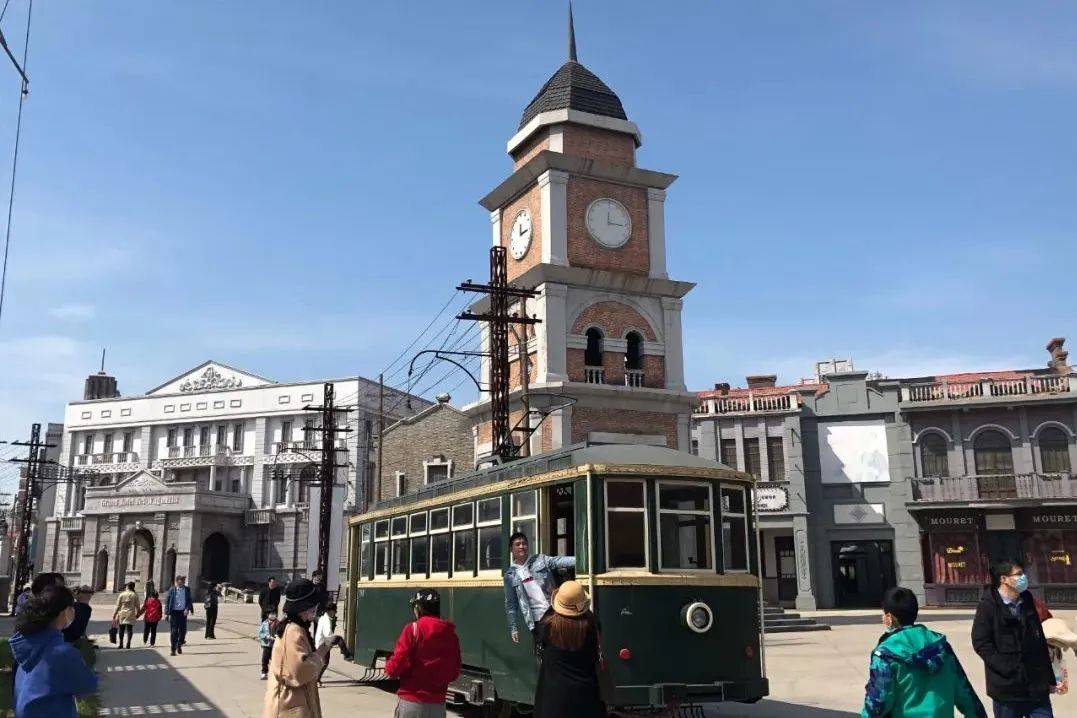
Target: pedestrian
[(914, 671), (1009, 638), (326, 628), (151, 616), (35, 587), (209, 607), (22, 597), (426, 659), (150, 588), (568, 682), (77, 629), (179, 605), (50, 672), (1059, 639), (529, 583), (323, 595), (292, 687), (266, 634), (269, 597), (128, 608)]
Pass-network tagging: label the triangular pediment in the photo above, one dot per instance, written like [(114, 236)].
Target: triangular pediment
[(210, 376), (141, 482)]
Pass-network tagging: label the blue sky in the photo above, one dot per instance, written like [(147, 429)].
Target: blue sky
[(292, 187)]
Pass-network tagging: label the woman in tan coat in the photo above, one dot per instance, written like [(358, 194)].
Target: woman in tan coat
[(127, 609), (292, 685)]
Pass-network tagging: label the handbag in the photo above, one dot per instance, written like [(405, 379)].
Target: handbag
[(606, 688), (112, 631)]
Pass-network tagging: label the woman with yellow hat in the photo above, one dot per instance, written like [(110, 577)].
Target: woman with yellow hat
[(568, 678), (1059, 639)]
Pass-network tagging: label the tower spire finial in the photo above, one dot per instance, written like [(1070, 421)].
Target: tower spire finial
[(103, 359), (571, 35)]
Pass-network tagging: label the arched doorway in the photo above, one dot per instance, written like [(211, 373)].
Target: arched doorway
[(215, 558), (100, 571), (169, 576), (134, 559)]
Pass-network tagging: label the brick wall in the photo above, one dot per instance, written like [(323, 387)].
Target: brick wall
[(599, 144), (532, 201), (634, 256), (441, 431), (614, 319), (622, 421), (539, 141), (613, 364)]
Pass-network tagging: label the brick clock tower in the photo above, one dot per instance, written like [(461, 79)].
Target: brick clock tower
[(584, 227)]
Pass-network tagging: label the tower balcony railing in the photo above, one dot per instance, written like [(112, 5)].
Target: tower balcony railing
[(634, 377), (1029, 385), (993, 487), (594, 375)]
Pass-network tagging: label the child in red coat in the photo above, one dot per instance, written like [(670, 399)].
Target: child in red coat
[(151, 614), (426, 659)]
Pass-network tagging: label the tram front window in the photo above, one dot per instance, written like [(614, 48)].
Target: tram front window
[(626, 525), (687, 541)]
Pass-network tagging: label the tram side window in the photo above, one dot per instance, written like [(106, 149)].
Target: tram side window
[(364, 551), (381, 548), (525, 517), (489, 523), (626, 525), (440, 542), (463, 535), (399, 565), (420, 546), (734, 528), (685, 535)]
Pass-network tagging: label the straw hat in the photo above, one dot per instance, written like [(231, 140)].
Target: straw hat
[(570, 600), (1059, 634)]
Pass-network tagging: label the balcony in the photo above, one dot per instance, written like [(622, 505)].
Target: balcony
[(297, 452), (209, 455), (999, 487), (71, 523), (594, 375), (749, 403), (258, 517), (634, 377), (111, 462), (985, 389)]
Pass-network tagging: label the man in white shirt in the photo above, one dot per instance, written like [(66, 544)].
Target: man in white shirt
[(529, 583)]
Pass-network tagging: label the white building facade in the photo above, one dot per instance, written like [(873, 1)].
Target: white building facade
[(208, 475)]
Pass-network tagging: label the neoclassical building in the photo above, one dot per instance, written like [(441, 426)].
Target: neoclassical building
[(207, 475)]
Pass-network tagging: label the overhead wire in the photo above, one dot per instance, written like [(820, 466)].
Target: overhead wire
[(15, 157)]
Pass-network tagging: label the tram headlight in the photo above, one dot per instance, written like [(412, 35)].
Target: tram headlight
[(698, 617)]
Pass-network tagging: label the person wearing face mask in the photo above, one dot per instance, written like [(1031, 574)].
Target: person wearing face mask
[(295, 664), (914, 671), (50, 672), (1007, 635)]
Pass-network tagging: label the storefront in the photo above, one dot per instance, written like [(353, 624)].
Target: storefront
[(959, 547)]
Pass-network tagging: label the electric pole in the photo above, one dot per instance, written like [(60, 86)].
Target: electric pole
[(28, 493), (327, 473)]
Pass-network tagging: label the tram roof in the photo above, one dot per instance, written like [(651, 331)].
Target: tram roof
[(582, 454)]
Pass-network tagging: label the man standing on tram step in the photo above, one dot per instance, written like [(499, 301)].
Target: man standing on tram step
[(269, 597), (1009, 638), (178, 604), (529, 583)]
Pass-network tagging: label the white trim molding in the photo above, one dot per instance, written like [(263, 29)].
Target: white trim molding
[(557, 117)]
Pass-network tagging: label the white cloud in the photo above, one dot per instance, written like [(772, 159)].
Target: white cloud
[(74, 311)]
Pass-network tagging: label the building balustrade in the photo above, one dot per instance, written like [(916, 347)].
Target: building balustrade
[(749, 403), (207, 455), (112, 458), (258, 517), (594, 375), (1029, 385), (634, 377), (993, 487), (71, 523)]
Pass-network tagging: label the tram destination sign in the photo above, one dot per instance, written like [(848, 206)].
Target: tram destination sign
[(770, 499)]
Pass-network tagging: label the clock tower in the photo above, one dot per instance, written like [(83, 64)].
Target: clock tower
[(584, 227)]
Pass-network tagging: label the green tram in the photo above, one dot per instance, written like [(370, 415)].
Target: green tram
[(664, 542)]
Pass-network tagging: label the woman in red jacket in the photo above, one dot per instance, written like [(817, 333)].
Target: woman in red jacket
[(426, 660), (151, 614)]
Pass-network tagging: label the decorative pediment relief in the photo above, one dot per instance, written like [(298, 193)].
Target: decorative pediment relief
[(210, 376), (141, 483)]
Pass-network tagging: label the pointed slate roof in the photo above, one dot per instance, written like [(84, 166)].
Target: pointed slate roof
[(574, 87)]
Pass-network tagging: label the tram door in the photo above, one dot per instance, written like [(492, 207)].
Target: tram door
[(561, 528)]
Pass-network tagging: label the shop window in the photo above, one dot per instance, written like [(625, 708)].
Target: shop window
[(1054, 451), (993, 453), (685, 535), (956, 558), (381, 549), (491, 555), (463, 539), (440, 542), (729, 452), (592, 356), (364, 552), (1051, 556), (633, 351), (933, 456), (734, 529), (751, 458), (399, 550), (626, 525), (776, 458), (420, 546), (525, 517)]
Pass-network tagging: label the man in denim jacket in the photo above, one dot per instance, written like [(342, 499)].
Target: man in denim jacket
[(529, 583)]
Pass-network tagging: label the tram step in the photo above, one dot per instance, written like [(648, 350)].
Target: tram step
[(791, 622), (798, 628)]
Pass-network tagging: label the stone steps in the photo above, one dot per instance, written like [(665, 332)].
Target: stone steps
[(777, 620)]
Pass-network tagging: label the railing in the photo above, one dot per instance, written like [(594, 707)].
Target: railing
[(71, 523), (82, 459), (634, 377), (182, 452), (994, 487), (750, 402), (258, 517), (1021, 386), (594, 375)]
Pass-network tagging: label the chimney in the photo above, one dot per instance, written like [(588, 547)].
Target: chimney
[(722, 389), (1058, 356), (762, 381)]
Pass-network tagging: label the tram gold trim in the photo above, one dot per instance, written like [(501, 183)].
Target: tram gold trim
[(726, 580), (553, 477)]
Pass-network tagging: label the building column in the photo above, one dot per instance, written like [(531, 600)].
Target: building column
[(146, 447), (673, 338), (684, 432), (552, 335), (258, 492), (656, 231), (802, 548), (553, 206)]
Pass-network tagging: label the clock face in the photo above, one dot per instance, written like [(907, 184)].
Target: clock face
[(608, 222), (520, 238)]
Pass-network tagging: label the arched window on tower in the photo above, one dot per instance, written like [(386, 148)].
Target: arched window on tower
[(1054, 451), (592, 357), (633, 359)]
